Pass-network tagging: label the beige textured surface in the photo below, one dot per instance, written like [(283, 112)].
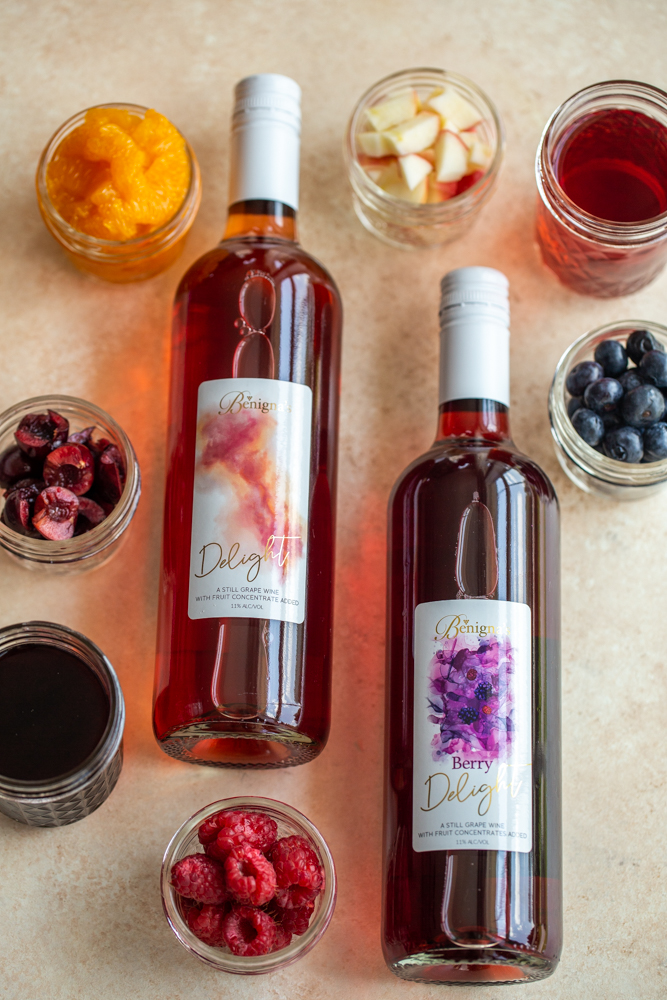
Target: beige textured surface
[(80, 915)]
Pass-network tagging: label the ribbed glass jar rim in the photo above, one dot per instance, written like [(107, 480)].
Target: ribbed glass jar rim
[(611, 94), (128, 251), (593, 462), (402, 212), (185, 841), (80, 547), (63, 786)]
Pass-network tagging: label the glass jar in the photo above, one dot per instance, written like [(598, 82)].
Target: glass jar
[(290, 823), (68, 797), (594, 256), (118, 260), (589, 469), (94, 547), (398, 222)]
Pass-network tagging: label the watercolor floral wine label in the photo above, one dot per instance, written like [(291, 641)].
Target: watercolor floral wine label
[(250, 508), (472, 767)]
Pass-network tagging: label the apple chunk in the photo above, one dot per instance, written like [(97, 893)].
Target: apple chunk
[(415, 135), (394, 111), (414, 169), (451, 157), (454, 109), (438, 192), (479, 156), (373, 144), (469, 138), (393, 183)]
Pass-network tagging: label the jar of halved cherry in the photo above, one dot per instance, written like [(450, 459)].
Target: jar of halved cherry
[(70, 483), (248, 885)]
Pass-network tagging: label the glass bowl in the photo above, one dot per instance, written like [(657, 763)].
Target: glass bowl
[(95, 547), (290, 822), (591, 470), (398, 222), (69, 797), (118, 260)]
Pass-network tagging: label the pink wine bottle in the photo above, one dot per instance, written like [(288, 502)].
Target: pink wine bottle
[(473, 828), (244, 641)]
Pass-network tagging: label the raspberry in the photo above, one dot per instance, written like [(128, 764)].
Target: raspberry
[(283, 938), (295, 897), (233, 827), (214, 851), (206, 924), (201, 878), (247, 931), (299, 874), (296, 921), (250, 877)]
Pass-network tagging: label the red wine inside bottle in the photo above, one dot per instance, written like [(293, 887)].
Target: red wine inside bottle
[(472, 856), (243, 672)]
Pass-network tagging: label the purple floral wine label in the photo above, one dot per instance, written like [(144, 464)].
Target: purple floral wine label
[(472, 764), (250, 504)]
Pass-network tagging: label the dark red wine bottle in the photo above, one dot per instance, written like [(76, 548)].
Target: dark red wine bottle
[(472, 856), (244, 643)]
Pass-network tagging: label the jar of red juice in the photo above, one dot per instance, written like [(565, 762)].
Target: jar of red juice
[(601, 172)]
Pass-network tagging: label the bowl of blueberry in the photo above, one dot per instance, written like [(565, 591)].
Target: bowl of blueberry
[(608, 410), (248, 885), (69, 484)]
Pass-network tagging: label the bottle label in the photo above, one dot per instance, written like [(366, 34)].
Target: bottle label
[(472, 764), (250, 508)]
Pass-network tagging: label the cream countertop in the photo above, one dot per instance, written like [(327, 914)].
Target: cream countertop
[(80, 915)]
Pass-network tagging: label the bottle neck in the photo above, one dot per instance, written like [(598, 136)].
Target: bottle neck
[(484, 420), (260, 218)]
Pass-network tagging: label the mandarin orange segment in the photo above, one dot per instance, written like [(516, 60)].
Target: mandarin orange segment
[(117, 175)]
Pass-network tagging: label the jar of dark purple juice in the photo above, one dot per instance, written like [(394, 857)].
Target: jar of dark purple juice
[(602, 180), (61, 725)]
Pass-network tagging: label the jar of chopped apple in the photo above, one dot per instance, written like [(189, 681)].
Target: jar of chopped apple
[(423, 152)]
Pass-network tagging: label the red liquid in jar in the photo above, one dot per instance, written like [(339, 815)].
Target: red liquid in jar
[(614, 166), (508, 898)]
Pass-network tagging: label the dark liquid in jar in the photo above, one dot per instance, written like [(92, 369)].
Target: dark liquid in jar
[(53, 712), (614, 166)]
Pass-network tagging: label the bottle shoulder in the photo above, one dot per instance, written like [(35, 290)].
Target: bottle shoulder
[(445, 460), (233, 257)]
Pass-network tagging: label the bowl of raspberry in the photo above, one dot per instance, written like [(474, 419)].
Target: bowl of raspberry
[(608, 410), (248, 885), (69, 484)]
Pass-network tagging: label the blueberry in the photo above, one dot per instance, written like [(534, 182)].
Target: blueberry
[(653, 367), (631, 379), (603, 395), (582, 375), (639, 342), (625, 444), (643, 406), (655, 442), (573, 405), (588, 426), (611, 355), (612, 420)]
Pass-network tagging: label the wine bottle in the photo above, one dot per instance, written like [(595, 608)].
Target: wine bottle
[(243, 671), (473, 830)]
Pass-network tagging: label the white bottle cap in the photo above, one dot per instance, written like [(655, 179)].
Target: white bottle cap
[(474, 330), (266, 128)]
